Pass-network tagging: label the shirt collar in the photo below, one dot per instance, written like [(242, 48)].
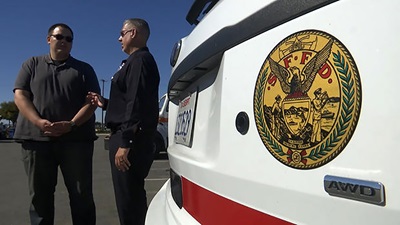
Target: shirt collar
[(50, 61), (143, 49)]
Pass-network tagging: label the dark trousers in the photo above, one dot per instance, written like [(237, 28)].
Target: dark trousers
[(41, 160), (130, 195)]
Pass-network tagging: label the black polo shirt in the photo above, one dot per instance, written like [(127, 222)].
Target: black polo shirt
[(133, 103), (58, 92)]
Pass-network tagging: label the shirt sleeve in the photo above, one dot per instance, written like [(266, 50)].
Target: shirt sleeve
[(91, 81), (24, 76), (131, 117)]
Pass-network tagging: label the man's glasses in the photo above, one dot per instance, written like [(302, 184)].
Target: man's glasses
[(124, 32), (60, 37)]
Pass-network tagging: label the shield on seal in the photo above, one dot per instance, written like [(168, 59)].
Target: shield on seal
[(296, 112)]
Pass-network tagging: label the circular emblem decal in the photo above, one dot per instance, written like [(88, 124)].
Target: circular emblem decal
[(307, 99)]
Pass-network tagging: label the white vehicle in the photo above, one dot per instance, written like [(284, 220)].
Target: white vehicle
[(161, 138), (284, 112)]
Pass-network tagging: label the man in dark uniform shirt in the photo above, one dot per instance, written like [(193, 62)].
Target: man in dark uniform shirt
[(132, 116)]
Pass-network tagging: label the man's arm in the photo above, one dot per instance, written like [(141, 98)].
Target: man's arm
[(84, 114), (87, 109), (28, 110)]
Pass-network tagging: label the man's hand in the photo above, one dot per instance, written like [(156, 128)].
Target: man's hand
[(121, 159), (95, 99), (57, 129), (43, 124), (47, 128)]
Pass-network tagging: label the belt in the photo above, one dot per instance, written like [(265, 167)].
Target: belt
[(115, 129)]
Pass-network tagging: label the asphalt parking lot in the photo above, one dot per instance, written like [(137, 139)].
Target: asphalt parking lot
[(14, 196)]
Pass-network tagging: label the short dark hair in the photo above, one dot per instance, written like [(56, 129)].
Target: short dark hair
[(141, 25), (63, 25)]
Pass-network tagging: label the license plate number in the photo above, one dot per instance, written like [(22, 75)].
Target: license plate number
[(184, 121)]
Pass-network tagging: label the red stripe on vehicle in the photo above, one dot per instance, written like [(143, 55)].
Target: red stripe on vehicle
[(163, 120), (209, 208)]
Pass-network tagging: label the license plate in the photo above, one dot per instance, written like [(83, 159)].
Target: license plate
[(185, 120)]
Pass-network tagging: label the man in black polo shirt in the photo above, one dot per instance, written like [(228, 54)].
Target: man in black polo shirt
[(56, 128), (132, 116)]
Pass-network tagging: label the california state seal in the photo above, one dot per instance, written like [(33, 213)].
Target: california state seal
[(307, 99)]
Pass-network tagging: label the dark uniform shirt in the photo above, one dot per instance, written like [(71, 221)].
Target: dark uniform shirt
[(58, 92), (133, 103)]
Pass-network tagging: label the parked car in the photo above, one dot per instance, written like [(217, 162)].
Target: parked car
[(284, 112), (2, 131), (161, 138), (6, 132), (10, 132)]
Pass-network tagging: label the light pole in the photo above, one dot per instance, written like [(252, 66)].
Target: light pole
[(102, 111)]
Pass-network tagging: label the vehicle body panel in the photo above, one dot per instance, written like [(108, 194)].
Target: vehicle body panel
[(238, 167)]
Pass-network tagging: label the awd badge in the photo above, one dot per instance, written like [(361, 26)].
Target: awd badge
[(307, 99)]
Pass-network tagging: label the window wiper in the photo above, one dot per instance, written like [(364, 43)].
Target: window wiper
[(199, 7)]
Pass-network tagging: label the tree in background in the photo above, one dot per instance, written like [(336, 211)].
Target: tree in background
[(9, 111)]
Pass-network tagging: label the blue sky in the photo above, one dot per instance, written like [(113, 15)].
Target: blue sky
[(96, 25)]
